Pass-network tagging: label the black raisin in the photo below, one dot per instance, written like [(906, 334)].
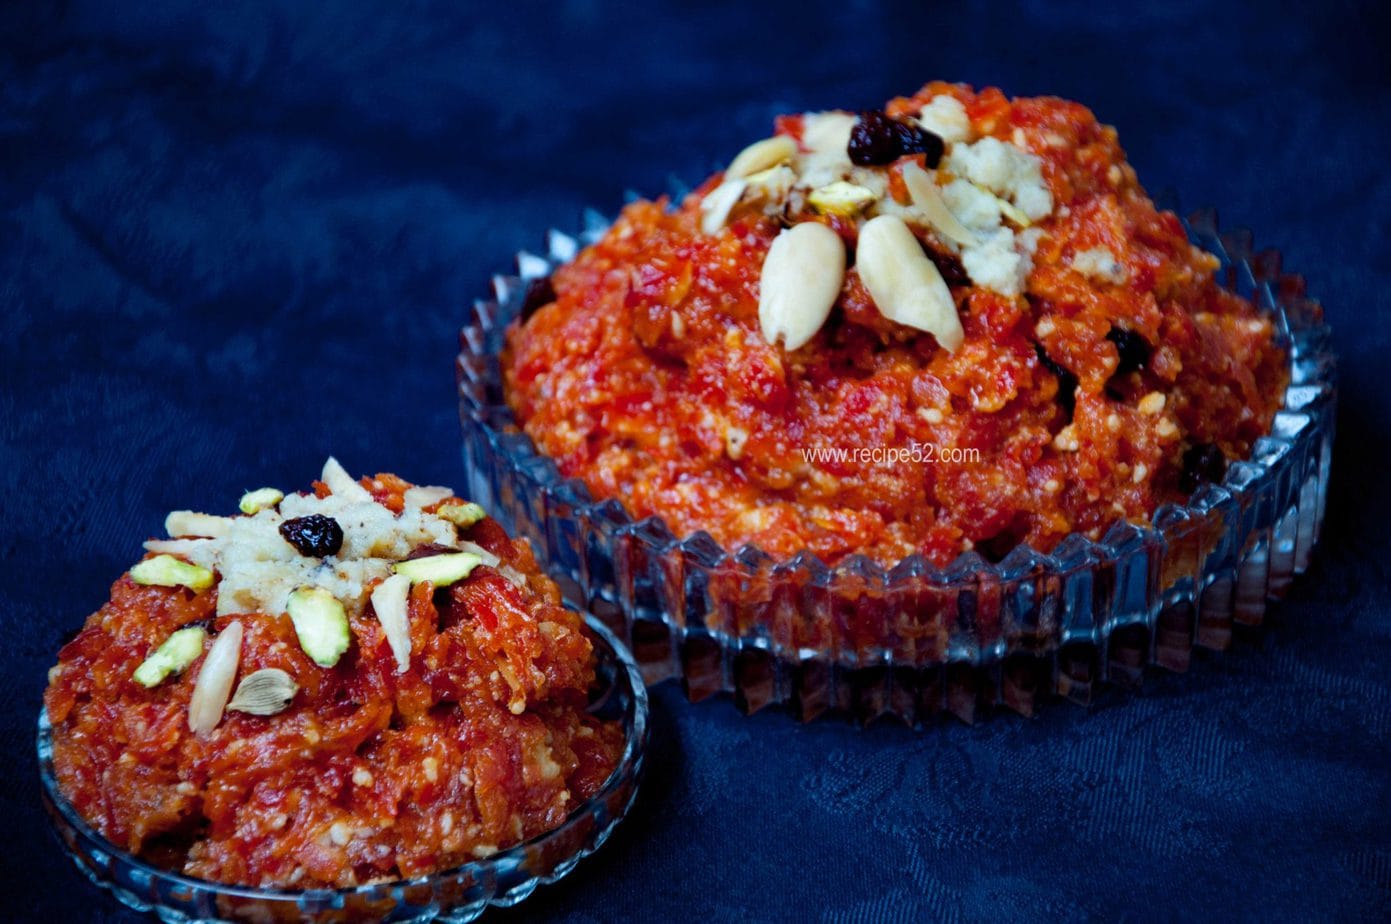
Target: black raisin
[(539, 294), (315, 535), (877, 140), (1067, 381), (949, 265), (1202, 463), (1134, 350)]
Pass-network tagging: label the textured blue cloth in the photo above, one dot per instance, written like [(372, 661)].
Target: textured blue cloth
[(236, 237)]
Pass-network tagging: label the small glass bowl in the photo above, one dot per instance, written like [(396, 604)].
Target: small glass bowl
[(454, 896), (914, 640)]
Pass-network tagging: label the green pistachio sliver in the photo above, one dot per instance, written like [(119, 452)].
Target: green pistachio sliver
[(253, 502), (168, 571), (439, 570), (321, 624), (462, 515), (176, 653)]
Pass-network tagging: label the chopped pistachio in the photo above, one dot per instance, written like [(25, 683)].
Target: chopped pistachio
[(840, 198), (321, 624), (253, 502), (168, 571), (462, 515), (264, 692), (176, 653), (440, 570)]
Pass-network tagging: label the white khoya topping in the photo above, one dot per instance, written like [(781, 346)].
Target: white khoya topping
[(1008, 171), (259, 569), (946, 118)]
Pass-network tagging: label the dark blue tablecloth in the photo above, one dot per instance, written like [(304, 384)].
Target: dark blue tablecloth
[(236, 237)]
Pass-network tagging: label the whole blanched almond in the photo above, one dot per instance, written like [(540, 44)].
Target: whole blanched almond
[(904, 283), (928, 201), (760, 156), (802, 276)]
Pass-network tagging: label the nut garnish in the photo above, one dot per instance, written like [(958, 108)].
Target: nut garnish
[(264, 692), (439, 570), (841, 198), (177, 652), (391, 599), (425, 495), (760, 156), (801, 280), (321, 624), (462, 515), (184, 523), (928, 200), (253, 502), (343, 484), (718, 203), (214, 684), (905, 285), (484, 556), (168, 571), (772, 185)]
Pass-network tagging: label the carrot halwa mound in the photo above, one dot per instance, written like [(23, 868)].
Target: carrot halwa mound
[(369, 774), (1085, 400)]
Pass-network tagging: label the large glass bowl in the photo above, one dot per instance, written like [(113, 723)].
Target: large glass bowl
[(454, 896), (914, 640)]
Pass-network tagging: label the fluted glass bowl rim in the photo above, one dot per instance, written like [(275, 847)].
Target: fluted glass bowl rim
[(629, 768), (1249, 273)]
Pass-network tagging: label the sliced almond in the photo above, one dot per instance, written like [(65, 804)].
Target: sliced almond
[(1011, 212), (927, 199), (426, 495), (215, 677), (761, 155), (185, 523), (342, 484), (264, 692), (718, 203), (391, 601), (904, 283), (512, 574), (185, 547), (841, 198), (486, 557), (801, 280)]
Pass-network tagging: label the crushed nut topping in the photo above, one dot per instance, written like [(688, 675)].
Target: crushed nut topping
[(975, 200)]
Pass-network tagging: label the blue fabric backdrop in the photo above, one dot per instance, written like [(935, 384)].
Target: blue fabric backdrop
[(237, 237)]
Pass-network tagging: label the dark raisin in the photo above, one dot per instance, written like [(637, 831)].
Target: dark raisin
[(539, 293), (1202, 463), (949, 265), (1067, 381), (315, 535), (877, 140), (1134, 350)]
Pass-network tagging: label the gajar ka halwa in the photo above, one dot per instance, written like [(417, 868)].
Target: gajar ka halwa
[(366, 682), (955, 323)]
